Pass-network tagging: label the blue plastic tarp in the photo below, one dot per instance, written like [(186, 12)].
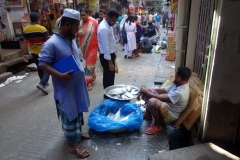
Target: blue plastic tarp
[(114, 114)]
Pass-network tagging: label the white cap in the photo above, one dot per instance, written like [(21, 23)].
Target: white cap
[(71, 13)]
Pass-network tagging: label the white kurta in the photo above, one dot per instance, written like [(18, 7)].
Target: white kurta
[(131, 38)]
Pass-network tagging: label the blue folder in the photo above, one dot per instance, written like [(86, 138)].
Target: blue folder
[(67, 64)]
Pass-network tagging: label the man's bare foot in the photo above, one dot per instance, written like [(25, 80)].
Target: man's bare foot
[(90, 87)]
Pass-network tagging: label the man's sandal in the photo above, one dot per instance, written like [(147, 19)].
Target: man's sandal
[(84, 136), (152, 130), (79, 151)]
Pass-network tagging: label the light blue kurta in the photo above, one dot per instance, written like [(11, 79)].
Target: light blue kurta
[(73, 94)]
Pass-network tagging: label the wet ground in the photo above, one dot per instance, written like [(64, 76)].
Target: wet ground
[(30, 129)]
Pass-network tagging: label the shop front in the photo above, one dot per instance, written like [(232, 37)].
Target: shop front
[(49, 11)]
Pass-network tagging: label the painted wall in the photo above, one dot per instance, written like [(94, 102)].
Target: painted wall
[(15, 15), (192, 33), (224, 96)]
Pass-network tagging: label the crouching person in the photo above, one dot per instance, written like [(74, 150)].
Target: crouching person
[(166, 104), (146, 44)]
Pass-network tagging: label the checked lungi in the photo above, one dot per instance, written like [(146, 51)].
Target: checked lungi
[(71, 129)]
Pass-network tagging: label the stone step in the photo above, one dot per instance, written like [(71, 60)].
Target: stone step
[(12, 61), (3, 68), (205, 151), (5, 76), (11, 54)]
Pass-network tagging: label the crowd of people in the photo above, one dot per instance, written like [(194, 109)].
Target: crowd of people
[(97, 35)]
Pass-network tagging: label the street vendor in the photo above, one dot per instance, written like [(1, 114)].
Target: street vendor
[(164, 105), (146, 44)]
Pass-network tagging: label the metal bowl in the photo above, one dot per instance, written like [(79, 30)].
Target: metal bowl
[(121, 92)]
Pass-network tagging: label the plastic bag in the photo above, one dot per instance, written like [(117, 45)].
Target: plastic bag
[(114, 114)]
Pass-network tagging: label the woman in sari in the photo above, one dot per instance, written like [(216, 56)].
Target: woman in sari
[(138, 36), (87, 38)]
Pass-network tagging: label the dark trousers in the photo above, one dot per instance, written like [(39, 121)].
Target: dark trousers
[(164, 22), (44, 77), (108, 76)]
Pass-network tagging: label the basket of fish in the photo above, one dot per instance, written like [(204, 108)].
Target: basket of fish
[(122, 92)]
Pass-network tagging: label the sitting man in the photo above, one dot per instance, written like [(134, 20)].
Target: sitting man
[(166, 108), (146, 44)]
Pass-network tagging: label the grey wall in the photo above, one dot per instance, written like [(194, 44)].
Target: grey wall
[(192, 33), (224, 96)]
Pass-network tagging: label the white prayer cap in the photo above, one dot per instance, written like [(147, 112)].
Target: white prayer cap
[(71, 13)]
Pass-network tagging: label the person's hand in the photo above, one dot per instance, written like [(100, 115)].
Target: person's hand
[(143, 90), (111, 67), (121, 41), (139, 96), (141, 93), (66, 76), (25, 58)]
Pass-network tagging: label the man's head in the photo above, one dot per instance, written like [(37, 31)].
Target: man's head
[(96, 15), (34, 17), (69, 23), (51, 16), (150, 24), (135, 18), (91, 13), (112, 17), (102, 13), (182, 75)]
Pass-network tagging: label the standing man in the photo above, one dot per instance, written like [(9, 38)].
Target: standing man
[(142, 19), (2, 26), (139, 18), (102, 14), (70, 91), (57, 25), (158, 21), (36, 35), (164, 19), (150, 18), (145, 19), (120, 18), (117, 35), (154, 20), (107, 47)]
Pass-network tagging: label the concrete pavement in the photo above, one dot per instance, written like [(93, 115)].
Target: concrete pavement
[(30, 129)]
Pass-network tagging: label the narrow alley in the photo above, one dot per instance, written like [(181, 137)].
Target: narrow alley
[(30, 128)]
